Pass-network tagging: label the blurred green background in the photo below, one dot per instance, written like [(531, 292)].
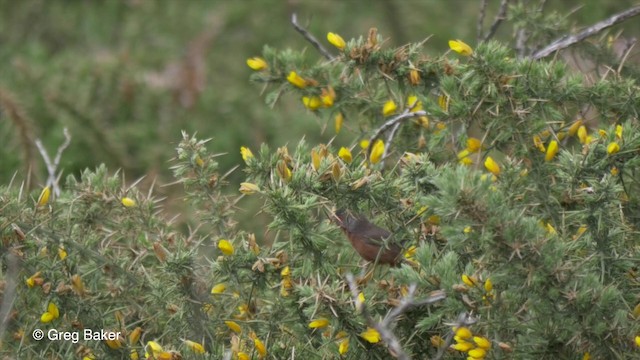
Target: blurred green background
[(125, 77)]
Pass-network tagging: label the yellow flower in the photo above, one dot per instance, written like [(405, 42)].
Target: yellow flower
[(233, 326), (460, 47), (135, 336), (246, 154), (389, 108), (194, 346), (226, 247), (477, 353), (468, 280), (371, 335), (328, 96), (537, 141), (345, 155), (62, 253), (311, 103), (283, 171), (297, 80), (552, 150), (550, 229), (473, 144), (488, 285), (248, 188), (443, 102), (613, 148), (482, 342), (338, 120), (319, 323), (128, 202), (33, 279), (262, 350), (257, 63), (466, 161), (619, 131), (286, 271), (364, 144), (221, 287), (602, 133), (637, 339), (154, 347), (463, 346), (582, 134), (410, 252), (414, 77), (343, 347), (133, 355), (336, 40), (586, 356), (414, 104), (376, 152), (114, 344), (361, 298), (463, 333), (492, 166), (243, 356), (43, 199), (574, 127), (51, 314), (467, 229)]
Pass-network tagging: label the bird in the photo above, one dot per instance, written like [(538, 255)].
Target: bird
[(370, 241)]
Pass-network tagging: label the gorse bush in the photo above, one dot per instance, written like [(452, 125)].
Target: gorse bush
[(518, 218)]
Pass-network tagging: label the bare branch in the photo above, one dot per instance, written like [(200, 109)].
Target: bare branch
[(568, 40), (385, 327), (393, 124), (52, 179), (500, 16), (483, 11), (310, 38)]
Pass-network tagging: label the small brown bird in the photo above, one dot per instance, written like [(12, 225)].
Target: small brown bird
[(369, 240)]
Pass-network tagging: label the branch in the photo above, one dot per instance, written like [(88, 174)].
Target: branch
[(53, 166), (500, 16), (483, 11), (393, 124), (385, 327), (310, 38), (568, 40)]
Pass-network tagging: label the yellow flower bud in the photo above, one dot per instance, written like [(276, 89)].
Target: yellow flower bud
[(414, 77), (613, 148), (248, 188), (552, 150), (389, 108), (297, 80), (336, 40), (477, 353), (128, 202), (488, 285), (135, 336), (582, 134), (226, 247), (619, 131), (574, 127), (343, 347), (233, 326), (371, 335), (345, 154), (246, 154), (262, 350), (43, 199), (194, 346), (492, 166), (257, 63), (311, 103), (463, 333), (339, 119), (460, 47), (482, 342), (376, 152), (473, 144), (319, 323), (219, 288)]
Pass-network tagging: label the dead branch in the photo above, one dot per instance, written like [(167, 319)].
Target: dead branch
[(310, 38)]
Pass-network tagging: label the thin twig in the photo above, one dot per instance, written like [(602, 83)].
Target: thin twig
[(390, 124), (385, 327), (500, 16), (568, 40), (310, 38), (480, 26), (52, 179)]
